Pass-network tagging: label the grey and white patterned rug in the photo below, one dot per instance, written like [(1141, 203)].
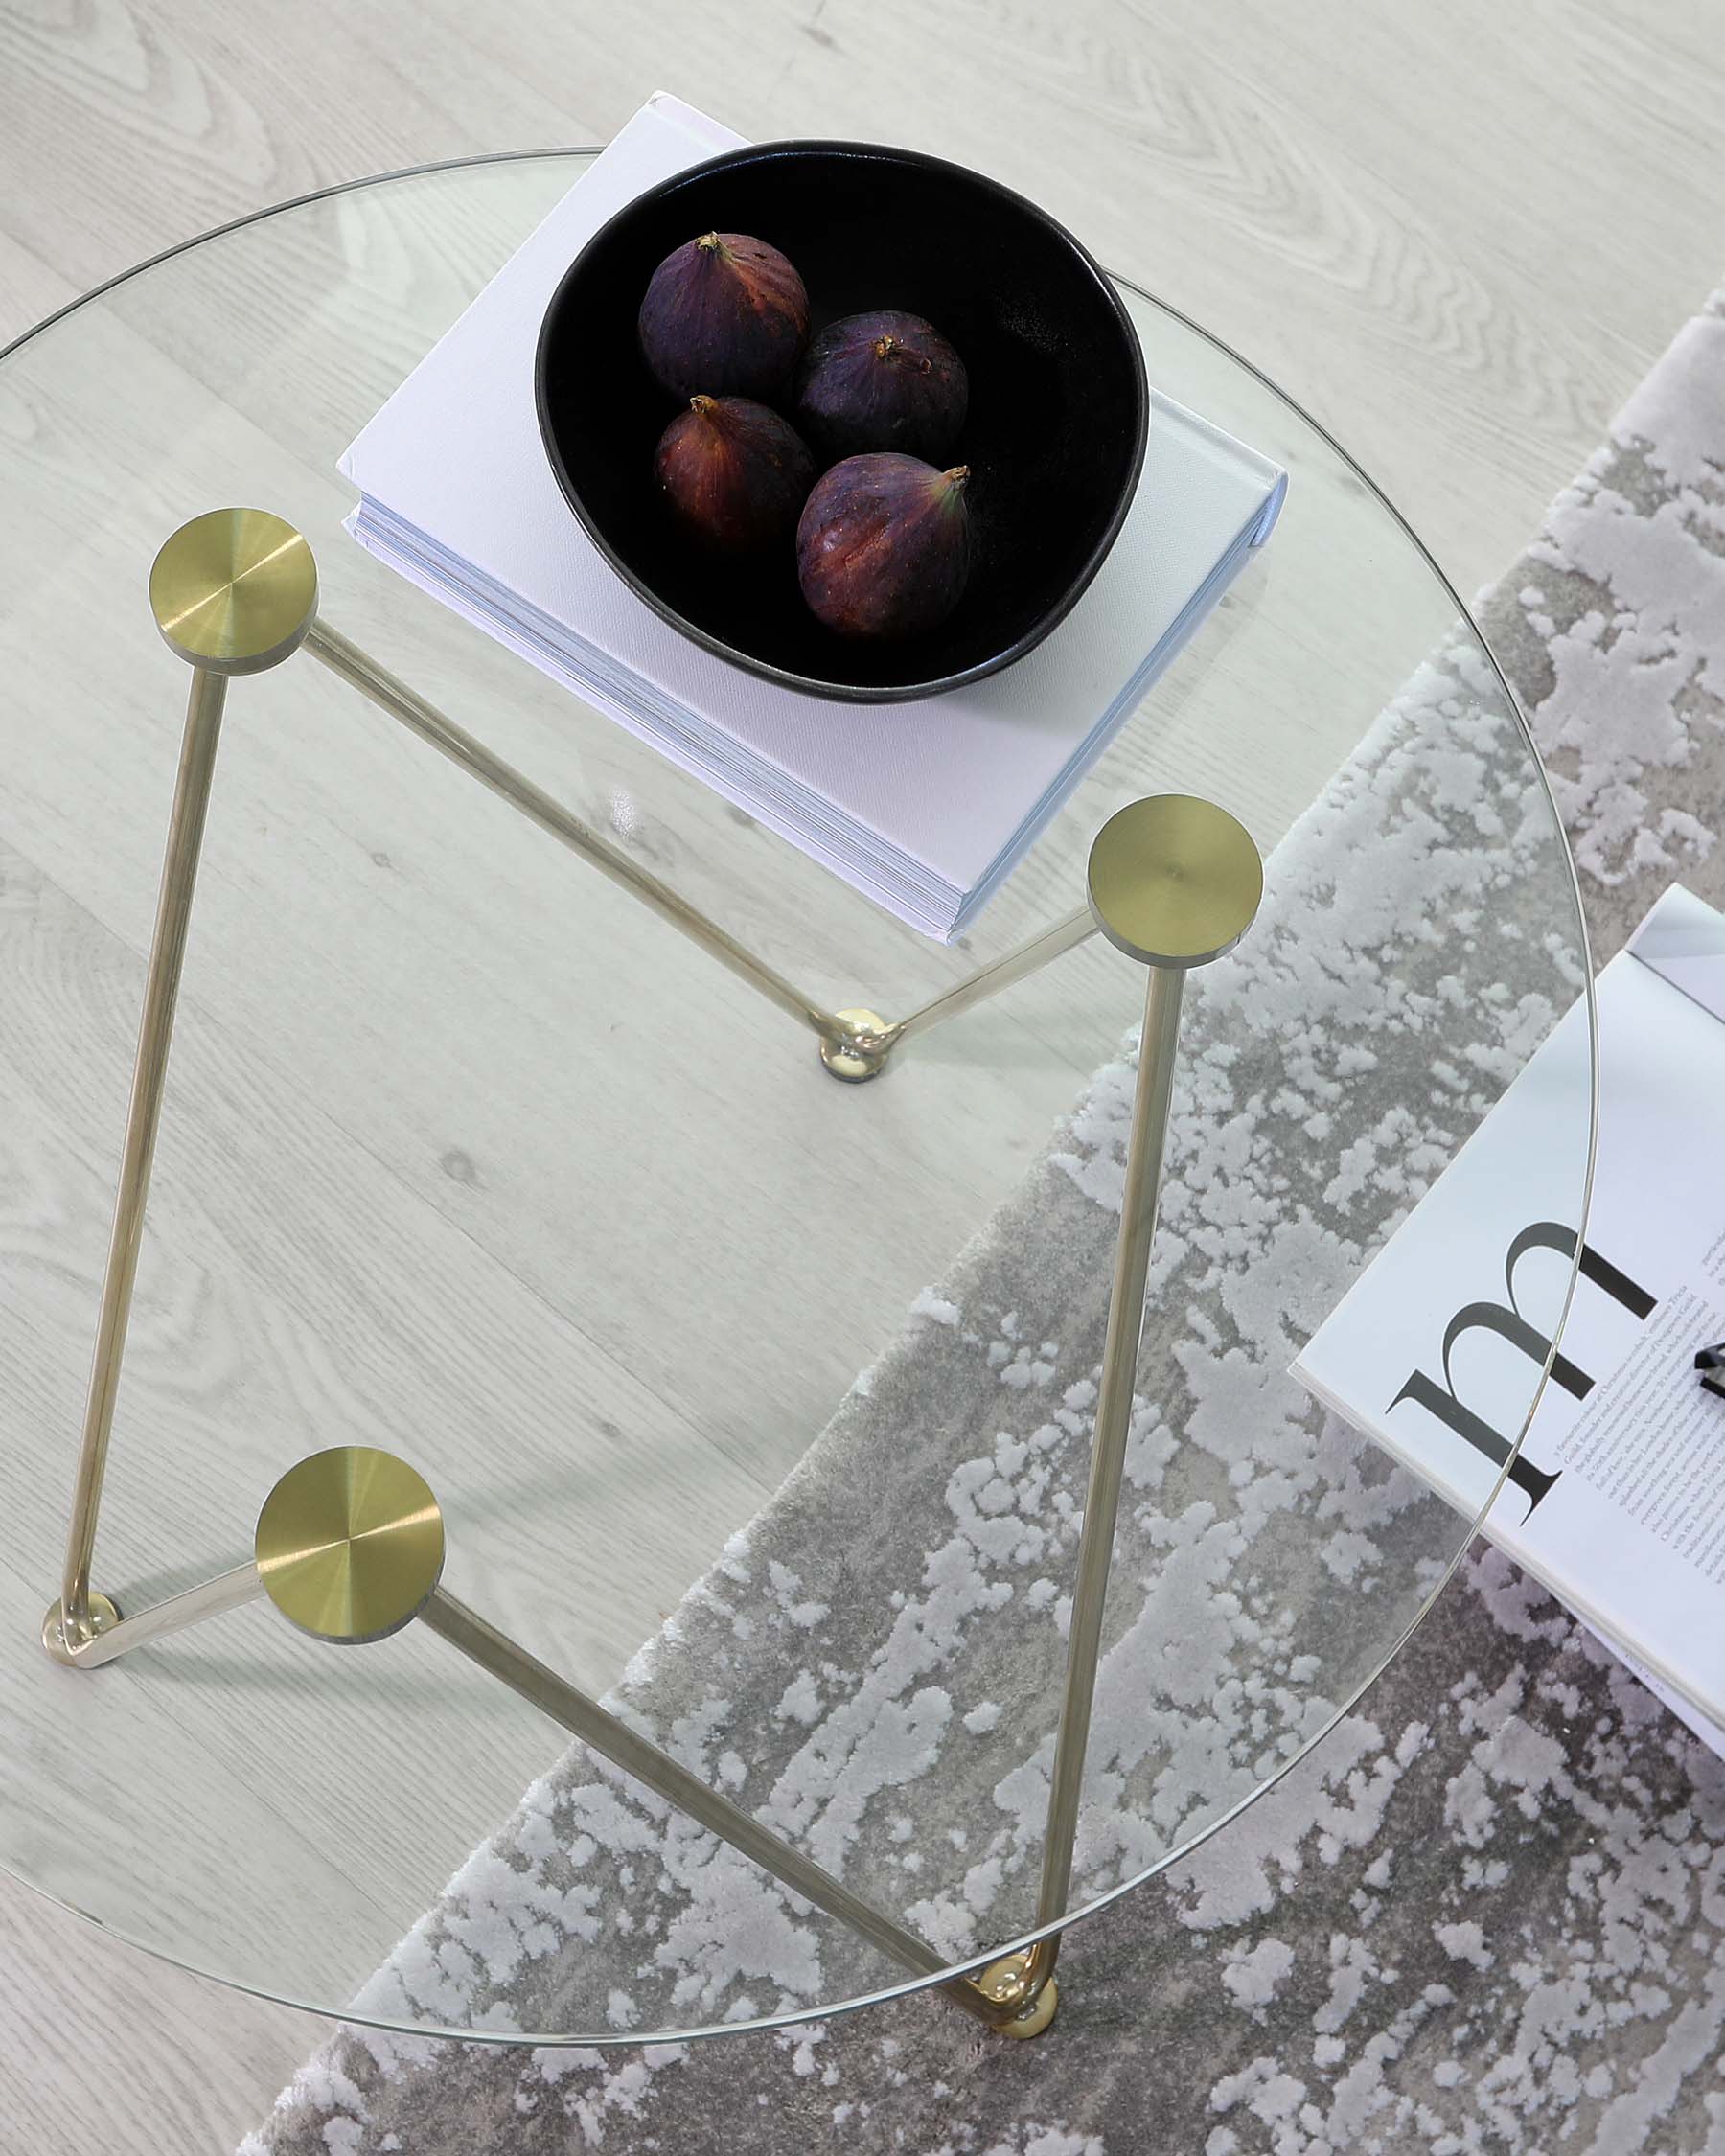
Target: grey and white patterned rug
[(1487, 1911)]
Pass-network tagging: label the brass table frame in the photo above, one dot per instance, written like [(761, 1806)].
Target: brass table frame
[(349, 1542)]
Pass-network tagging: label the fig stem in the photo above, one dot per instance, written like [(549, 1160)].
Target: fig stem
[(709, 244), (957, 475), (888, 347), (701, 403)]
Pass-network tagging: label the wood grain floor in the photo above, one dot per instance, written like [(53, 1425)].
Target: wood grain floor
[(1459, 234)]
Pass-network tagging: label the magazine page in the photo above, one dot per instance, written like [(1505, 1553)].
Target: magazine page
[(1617, 1500), (1683, 940)]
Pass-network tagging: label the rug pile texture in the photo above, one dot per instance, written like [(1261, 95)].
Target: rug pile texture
[(1487, 1911)]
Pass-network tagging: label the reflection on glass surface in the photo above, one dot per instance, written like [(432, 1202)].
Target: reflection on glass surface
[(465, 1156)]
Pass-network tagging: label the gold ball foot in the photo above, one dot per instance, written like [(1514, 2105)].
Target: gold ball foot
[(1001, 1979), (856, 1061), (105, 1615), (349, 1545), (234, 591)]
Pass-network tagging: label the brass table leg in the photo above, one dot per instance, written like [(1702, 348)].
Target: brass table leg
[(350, 1548), (872, 1038), (378, 686), (350, 1543), (215, 1598), (233, 592), (1175, 883)]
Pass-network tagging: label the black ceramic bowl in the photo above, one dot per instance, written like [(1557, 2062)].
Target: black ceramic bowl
[(1058, 408)]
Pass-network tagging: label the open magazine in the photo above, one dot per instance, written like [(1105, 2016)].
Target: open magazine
[(1616, 1502)]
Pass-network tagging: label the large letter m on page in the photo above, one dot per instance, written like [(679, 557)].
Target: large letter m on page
[(1506, 1321)]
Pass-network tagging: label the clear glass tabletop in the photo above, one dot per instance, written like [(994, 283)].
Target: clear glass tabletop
[(469, 1156)]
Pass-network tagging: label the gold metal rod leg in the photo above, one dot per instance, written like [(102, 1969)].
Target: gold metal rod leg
[(989, 980), (1174, 882), (1144, 1151), (871, 1039), (602, 1732), (149, 1070), (393, 696), (228, 1590)]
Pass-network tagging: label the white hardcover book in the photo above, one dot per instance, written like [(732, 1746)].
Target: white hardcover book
[(926, 806), (1617, 1500)]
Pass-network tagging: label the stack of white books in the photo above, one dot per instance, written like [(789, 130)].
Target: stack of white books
[(1616, 1500), (928, 806)]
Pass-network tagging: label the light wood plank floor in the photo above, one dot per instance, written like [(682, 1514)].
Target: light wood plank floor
[(1459, 234)]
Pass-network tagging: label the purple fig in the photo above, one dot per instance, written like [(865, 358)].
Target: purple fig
[(882, 382), (735, 473), (725, 316), (883, 546)]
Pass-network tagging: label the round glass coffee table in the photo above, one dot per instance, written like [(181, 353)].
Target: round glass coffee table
[(477, 1178)]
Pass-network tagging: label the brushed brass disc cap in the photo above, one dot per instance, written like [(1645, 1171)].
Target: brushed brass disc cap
[(1174, 881), (233, 590), (349, 1545)]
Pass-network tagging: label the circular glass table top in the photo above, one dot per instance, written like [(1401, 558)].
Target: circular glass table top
[(469, 1159)]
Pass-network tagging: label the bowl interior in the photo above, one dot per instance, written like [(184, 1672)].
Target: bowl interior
[(1057, 399)]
